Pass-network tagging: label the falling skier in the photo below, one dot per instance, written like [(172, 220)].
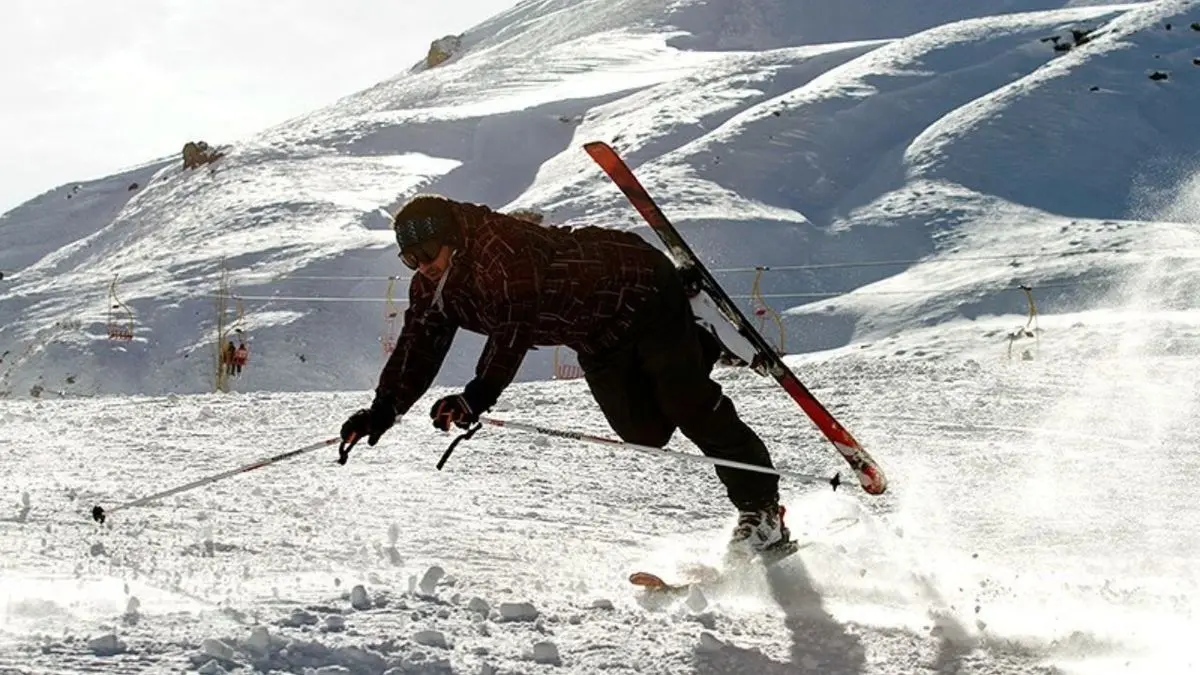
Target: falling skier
[(609, 295)]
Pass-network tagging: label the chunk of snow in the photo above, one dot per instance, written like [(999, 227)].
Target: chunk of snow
[(359, 599), (546, 652), (259, 640), (518, 611), (299, 618), (430, 579), (216, 649), (106, 645), (430, 638), (131, 615), (211, 667), (710, 643), (360, 659)]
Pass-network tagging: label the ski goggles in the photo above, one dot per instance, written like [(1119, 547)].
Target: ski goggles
[(420, 254)]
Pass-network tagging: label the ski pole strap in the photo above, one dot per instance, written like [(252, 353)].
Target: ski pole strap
[(454, 444)]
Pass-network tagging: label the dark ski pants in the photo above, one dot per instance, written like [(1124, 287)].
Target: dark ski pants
[(660, 381)]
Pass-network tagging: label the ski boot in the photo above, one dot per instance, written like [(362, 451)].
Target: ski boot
[(758, 534)]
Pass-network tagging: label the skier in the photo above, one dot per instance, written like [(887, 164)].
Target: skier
[(613, 298)]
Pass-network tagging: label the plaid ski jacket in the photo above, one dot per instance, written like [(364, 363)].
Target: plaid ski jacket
[(521, 285)]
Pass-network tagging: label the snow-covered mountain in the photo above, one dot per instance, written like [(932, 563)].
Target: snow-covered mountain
[(778, 134), (918, 175)]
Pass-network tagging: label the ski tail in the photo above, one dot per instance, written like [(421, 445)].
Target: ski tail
[(870, 476), (632, 188)]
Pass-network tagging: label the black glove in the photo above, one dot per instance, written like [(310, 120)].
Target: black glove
[(462, 410), (369, 422)]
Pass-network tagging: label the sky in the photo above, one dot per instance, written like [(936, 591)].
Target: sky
[(90, 88)]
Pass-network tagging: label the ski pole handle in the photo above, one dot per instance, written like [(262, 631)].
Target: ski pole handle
[(345, 447)]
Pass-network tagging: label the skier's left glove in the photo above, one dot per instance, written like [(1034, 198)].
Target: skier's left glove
[(462, 410), (369, 423)]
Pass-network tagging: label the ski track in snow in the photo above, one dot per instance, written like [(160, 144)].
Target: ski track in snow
[(1025, 532)]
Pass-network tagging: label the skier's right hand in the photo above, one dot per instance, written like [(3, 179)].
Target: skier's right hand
[(370, 423)]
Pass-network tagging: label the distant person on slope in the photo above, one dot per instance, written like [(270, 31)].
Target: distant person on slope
[(240, 357), (228, 356), (609, 295)]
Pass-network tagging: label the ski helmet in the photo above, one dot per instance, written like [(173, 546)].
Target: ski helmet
[(425, 218)]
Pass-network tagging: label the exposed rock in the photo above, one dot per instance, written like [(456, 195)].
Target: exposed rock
[(441, 49), (197, 153)]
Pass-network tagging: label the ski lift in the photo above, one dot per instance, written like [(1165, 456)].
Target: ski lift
[(391, 319), (239, 319), (242, 352), (763, 311), (565, 371), (1029, 330), (120, 317)]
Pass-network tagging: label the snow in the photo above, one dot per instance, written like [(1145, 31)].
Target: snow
[(1029, 529), (903, 171)]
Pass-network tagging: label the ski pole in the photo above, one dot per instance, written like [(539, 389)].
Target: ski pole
[(662, 452), (99, 513)]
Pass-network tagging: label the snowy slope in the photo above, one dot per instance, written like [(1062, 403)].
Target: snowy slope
[(1029, 530), (776, 146)]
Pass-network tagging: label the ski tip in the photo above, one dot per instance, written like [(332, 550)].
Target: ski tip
[(647, 580), (873, 481)]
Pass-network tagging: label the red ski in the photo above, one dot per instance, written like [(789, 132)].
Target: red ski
[(870, 476)]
